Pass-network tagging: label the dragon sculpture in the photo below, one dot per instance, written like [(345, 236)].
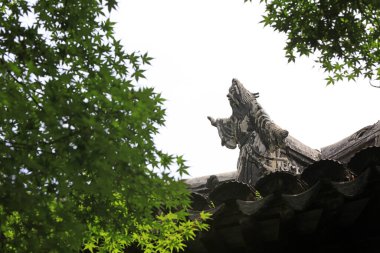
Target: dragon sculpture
[(260, 140)]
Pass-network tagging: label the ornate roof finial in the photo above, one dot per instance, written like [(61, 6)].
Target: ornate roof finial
[(260, 140)]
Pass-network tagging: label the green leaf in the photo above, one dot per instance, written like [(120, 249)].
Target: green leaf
[(14, 68), (112, 5)]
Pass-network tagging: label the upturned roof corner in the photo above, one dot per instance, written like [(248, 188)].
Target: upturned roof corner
[(285, 195)]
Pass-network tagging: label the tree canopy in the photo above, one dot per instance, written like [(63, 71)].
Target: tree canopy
[(78, 165), (343, 35)]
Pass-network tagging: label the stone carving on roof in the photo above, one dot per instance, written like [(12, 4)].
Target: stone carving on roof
[(333, 191), (262, 143)]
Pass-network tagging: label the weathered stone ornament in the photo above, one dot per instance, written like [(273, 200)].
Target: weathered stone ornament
[(262, 144)]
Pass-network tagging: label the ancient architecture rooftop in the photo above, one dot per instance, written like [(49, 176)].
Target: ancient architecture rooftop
[(285, 196)]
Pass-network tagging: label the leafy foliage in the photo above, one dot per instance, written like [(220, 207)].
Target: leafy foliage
[(79, 168), (343, 34)]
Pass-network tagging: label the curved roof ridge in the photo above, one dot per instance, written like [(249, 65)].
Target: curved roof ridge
[(346, 148)]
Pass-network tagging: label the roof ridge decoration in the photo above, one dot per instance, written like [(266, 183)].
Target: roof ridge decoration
[(264, 146)]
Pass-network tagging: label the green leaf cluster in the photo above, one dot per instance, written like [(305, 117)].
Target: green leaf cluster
[(78, 165), (344, 35), (168, 232)]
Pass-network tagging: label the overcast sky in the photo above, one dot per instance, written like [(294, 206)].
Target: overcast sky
[(200, 45)]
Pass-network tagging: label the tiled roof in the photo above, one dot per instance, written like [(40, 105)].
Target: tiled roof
[(334, 202)]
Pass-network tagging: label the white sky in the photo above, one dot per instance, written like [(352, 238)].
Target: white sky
[(200, 45)]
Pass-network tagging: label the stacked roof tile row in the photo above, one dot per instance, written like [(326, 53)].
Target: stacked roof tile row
[(333, 204)]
